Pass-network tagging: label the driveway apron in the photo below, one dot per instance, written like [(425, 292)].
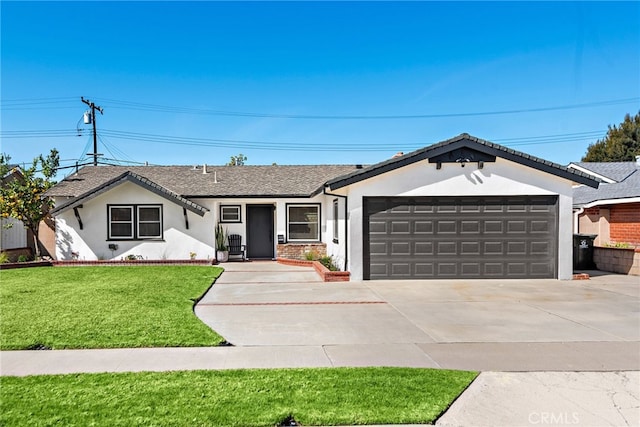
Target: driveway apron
[(474, 324)]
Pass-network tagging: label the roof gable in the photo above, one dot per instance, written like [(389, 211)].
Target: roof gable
[(135, 179), (608, 171), (467, 145), (622, 184)]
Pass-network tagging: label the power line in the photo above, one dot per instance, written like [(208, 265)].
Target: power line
[(293, 145), (46, 103), (113, 103)]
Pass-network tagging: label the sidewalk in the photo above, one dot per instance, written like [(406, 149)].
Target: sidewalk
[(504, 357)]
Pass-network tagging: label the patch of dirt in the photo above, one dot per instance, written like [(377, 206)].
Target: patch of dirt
[(288, 422), (38, 346)]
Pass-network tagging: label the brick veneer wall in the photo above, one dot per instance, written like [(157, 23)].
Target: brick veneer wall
[(617, 260), (298, 250), (625, 223)]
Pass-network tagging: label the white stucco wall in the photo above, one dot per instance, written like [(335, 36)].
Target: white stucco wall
[(496, 179), (92, 243)]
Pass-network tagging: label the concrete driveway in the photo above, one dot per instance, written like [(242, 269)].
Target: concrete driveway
[(475, 324)]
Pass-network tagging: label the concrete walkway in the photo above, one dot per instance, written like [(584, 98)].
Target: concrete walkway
[(530, 331)]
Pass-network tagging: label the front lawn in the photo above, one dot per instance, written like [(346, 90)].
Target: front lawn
[(104, 307), (260, 397)]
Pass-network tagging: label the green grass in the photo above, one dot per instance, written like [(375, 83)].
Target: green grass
[(260, 397), (104, 307)]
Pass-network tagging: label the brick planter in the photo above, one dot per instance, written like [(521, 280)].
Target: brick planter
[(617, 260), (299, 250), (28, 264), (325, 274)]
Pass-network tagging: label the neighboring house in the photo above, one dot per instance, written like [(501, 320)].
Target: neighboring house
[(15, 238), (462, 208), (611, 211), (13, 234)]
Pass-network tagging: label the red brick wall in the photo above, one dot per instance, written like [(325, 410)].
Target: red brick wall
[(298, 250), (625, 223)]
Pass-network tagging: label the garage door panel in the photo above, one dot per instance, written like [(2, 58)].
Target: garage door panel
[(516, 227), (446, 237), (470, 227), (379, 248), (424, 269), (378, 227), (423, 227), (470, 248), (423, 248), (400, 227), (400, 248), (495, 227), (447, 227)]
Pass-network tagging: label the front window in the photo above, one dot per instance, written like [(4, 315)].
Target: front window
[(303, 222), (149, 222), (135, 222), (230, 213), (121, 222)]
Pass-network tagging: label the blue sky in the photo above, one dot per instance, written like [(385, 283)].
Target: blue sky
[(308, 83)]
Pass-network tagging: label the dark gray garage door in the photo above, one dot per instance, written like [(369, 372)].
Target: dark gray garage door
[(460, 237)]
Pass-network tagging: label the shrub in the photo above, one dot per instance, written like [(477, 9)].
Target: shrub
[(23, 258), (327, 261), (4, 258)]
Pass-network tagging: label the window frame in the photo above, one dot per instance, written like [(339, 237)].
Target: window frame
[(238, 209), (138, 222), (135, 222), (317, 206)]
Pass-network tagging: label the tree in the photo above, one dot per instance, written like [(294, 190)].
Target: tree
[(237, 160), (621, 144), (22, 191)]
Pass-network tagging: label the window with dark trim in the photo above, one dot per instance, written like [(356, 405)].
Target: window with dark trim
[(230, 213), (129, 222), (335, 221), (303, 223)]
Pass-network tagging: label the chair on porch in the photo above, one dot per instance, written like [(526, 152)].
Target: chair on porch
[(236, 247)]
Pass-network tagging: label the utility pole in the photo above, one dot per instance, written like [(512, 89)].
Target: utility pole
[(93, 107)]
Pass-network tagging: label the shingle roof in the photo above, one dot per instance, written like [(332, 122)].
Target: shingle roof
[(219, 181), (627, 185), (464, 140), (138, 180), (616, 171)]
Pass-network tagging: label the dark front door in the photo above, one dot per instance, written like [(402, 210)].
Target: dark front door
[(260, 231)]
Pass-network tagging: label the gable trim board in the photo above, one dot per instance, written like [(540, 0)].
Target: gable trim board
[(464, 166), (469, 142)]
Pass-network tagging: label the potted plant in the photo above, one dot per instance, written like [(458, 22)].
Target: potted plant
[(222, 250)]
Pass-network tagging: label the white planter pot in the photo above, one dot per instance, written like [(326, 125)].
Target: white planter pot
[(222, 256)]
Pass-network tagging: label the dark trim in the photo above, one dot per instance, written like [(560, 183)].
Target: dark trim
[(77, 214), (138, 180), (186, 219), (238, 221), (463, 141), (286, 222), (253, 196), (346, 226), (335, 207)]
